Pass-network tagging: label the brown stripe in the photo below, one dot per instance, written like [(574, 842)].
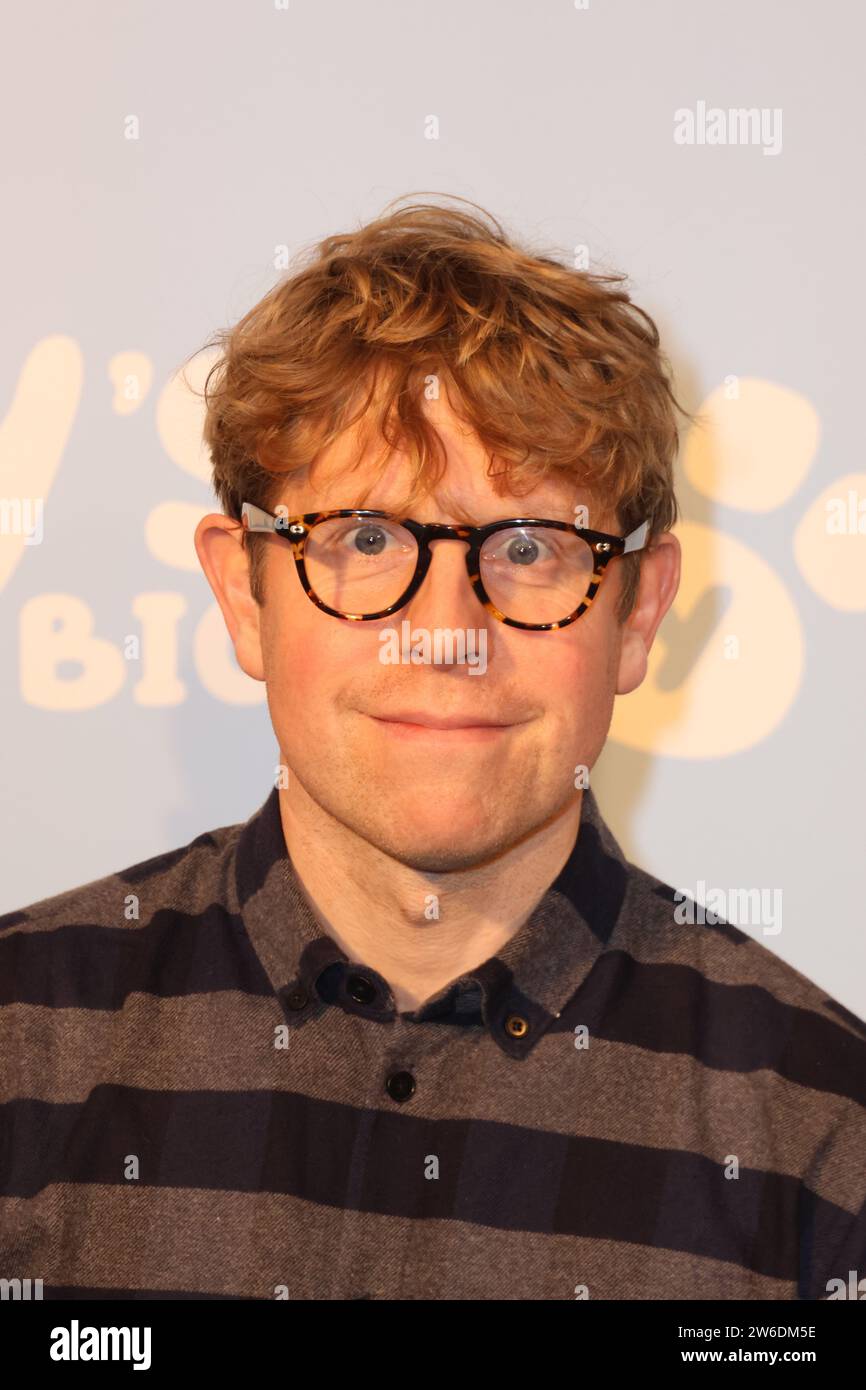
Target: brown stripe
[(752, 963), (608, 1091), (234, 1243), (188, 875)]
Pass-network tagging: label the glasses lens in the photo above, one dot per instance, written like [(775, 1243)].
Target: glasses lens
[(359, 564), (535, 574)]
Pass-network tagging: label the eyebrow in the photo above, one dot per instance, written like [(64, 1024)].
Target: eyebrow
[(516, 514), (354, 501)]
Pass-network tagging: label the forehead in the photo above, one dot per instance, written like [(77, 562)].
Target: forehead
[(355, 472)]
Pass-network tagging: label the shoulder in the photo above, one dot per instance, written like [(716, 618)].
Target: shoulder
[(719, 992), (771, 1056), (662, 924), (184, 878)]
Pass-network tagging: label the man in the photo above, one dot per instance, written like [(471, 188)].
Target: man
[(417, 1029)]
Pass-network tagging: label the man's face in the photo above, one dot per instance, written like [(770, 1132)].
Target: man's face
[(434, 799)]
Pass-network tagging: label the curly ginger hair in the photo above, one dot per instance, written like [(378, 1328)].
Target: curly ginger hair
[(557, 371)]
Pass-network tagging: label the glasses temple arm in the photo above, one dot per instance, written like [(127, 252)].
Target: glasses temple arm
[(256, 519), (636, 540)]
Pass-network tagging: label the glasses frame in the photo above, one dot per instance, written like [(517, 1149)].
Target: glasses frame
[(296, 529)]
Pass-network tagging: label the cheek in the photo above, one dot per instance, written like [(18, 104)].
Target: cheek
[(309, 660), (572, 675), (295, 650), (562, 667)]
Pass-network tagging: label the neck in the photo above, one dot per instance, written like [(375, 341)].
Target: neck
[(419, 930)]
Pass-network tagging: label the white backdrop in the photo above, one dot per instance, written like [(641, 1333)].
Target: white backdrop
[(162, 163)]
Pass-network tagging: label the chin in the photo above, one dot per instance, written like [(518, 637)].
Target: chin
[(440, 849), (447, 860)]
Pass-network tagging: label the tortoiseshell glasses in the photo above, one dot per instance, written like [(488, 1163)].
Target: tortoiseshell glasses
[(529, 573)]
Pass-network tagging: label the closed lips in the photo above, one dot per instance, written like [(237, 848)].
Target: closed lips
[(439, 721)]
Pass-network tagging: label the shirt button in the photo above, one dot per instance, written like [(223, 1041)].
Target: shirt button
[(400, 1085), (516, 1026), (296, 997), (359, 988)]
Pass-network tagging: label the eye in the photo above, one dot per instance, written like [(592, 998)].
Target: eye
[(524, 548), (353, 537), (369, 538)]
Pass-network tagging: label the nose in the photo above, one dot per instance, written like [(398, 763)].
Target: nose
[(446, 598)]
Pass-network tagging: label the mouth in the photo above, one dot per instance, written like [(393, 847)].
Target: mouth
[(421, 724)]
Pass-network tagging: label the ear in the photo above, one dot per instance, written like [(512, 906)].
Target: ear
[(218, 543), (659, 581)]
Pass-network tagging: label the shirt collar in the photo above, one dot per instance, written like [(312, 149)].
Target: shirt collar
[(516, 993)]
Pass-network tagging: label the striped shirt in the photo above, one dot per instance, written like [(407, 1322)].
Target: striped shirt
[(201, 1096)]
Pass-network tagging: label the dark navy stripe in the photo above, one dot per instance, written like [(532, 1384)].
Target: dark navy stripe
[(744, 1028), (261, 845), (593, 882), (97, 967), (247, 1142)]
